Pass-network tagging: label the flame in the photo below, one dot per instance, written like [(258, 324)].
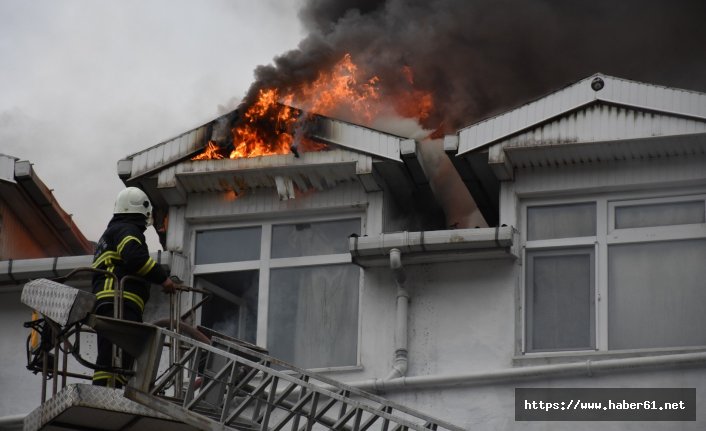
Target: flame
[(272, 125), (253, 138), (211, 152), (340, 90)]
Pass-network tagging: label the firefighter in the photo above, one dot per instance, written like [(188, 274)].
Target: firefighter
[(122, 251)]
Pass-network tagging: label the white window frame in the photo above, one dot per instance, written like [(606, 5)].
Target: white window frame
[(266, 263), (606, 235)]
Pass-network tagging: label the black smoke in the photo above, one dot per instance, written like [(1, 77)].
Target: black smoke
[(480, 57)]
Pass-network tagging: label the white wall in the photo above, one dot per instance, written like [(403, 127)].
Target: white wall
[(492, 407), (462, 321)]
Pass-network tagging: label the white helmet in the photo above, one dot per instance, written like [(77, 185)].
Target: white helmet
[(133, 201)]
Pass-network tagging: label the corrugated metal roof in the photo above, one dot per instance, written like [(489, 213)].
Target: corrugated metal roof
[(359, 138), (627, 149), (601, 122), (353, 137), (623, 93), (168, 152)]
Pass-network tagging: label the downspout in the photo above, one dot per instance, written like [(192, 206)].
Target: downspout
[(399, 366)]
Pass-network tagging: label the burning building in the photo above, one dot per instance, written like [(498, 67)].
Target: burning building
[(376, 212), (340, 258), (584, 271)]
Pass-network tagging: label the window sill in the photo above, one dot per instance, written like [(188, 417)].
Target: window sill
[(548, 358)]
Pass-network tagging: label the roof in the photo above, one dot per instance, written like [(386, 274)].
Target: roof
[(33, 203), (184, 146), (596, 119), (356, 153), (621, 94)]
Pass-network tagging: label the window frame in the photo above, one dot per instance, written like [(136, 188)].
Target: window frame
[(606, 235), (579, 250), (265, 263)]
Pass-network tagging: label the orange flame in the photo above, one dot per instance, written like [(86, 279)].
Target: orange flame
[(339, 91), (211, 152), (270, 124)]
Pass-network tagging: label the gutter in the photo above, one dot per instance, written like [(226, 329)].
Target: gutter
[(19, 271), (586, 368), (435, 246)]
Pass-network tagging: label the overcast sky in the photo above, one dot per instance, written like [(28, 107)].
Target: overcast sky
[(85, 83)]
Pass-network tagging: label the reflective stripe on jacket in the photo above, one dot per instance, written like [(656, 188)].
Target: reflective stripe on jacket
[(122, 251)]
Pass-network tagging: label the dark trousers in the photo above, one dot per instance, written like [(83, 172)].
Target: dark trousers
[(105, 348)]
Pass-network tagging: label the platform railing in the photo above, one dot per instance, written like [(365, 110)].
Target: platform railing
[(229, 385)]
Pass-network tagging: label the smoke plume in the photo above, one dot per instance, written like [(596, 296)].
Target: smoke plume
[(480, 57), (477, 58)]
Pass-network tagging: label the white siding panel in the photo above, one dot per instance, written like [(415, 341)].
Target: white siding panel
[(669, 101), (605, 123), (169, 151), (176, 232), (167, 177), (218, 206), (359, 139), (139, 164), (612, 176), (658, 98), (584, 153), (527, 115), (7, 168), (155, 157)]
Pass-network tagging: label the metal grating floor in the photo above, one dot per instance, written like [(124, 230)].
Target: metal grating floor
[(84, 407)]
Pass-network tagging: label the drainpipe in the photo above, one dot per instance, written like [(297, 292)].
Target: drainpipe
[(399, 367)]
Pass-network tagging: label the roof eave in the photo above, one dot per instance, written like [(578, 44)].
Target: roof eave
[(614, 91)]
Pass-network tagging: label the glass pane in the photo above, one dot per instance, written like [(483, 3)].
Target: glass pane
[(228, 245), (664, 214), (311, 239), (232, 309), (561, 221), (560, 310), (656, 294), (313, 315)]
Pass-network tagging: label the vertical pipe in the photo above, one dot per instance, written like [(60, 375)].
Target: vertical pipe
[(55, 371), (399, 367)]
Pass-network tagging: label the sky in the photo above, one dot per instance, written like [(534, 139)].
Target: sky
[(85, 83)]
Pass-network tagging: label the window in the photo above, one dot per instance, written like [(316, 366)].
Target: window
[(560, 300), (613, 273), (289, 286)]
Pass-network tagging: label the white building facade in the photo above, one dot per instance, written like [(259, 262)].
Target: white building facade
[(595, 268), (591, 274)]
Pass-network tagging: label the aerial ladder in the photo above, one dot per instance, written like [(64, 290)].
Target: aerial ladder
[(192, 377)]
